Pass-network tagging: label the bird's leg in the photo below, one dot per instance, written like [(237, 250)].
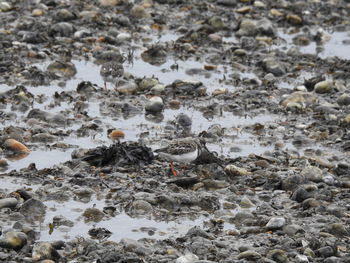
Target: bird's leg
[(105, 85), (172, 169)]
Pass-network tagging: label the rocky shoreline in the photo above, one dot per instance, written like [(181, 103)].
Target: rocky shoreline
[(265, 83)]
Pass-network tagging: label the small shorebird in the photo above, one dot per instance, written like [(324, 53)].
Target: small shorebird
[(111, 72), (182, 151)]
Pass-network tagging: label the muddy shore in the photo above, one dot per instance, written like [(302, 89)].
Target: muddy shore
[(264, 83)]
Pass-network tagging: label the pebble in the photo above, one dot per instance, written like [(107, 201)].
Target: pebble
[(273, 66), (338, 230), (325, 86), (131, 245), (187, 258), (44, 251), (343, 100), (233, 170), (116, 134), (301, 258), (154, 105), (278, 255), (33, 209), (5, 7), (141, 207), (13, 240), (148, 83), (276, 223), (313, 174), (249, 255), (247, 27), (139, 12), (325, 252), (16, 146), (294, 19), (93, 214), (8, 202), (158, 89)]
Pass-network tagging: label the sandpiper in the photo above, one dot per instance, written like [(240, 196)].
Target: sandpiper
[(182, 151), (111, 72)]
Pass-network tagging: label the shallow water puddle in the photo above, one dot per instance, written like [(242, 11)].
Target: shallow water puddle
[(338, 45), (135, 126), (121, 225), (41, 158)]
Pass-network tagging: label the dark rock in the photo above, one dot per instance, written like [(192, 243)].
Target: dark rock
[(33, 209), (300, 195), (119, 154), (325, 252)]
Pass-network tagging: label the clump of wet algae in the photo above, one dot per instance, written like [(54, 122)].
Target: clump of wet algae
[(261, 82)]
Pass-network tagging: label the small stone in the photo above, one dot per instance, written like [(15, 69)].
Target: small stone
[(325, 86), (33, 209), (111, 2), (276, 12), (299, 97), (247, 27), (15, 146), (301, 258), (38, 12), (62, 29), (337, 229), (246, 203), (262, 163), (310, 203), (158, 89), (278, 255), (259, 4), (93, 214), (215, 38), (187, 258), (294, 19), (116, 134), (230, 3), (154, 105), (141, 207), (312, 173), (175, 104), (291, 230), (123, 37), (64, 15), (325, 252), (273, 66), (128, 88), (276, 223), (249, 255), (216, 22), (344, 100), (240, 52), (265, 27), (347, 119), (139, 11), (3, 163), (244, 10), (131, 245), (44, 250), (309, 253), (220, 91), (233, 170), (63, 69), (13, 240), (8, 202), (148, 83), (5, 7)]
